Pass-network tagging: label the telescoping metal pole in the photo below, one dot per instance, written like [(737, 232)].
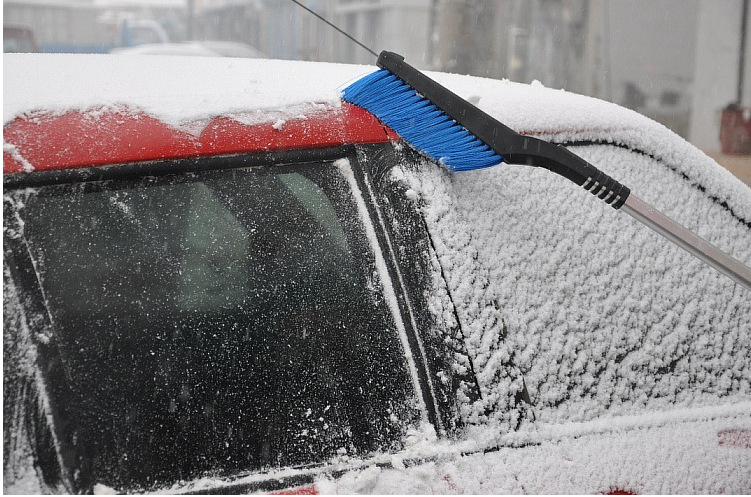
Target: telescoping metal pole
[(648, 215)]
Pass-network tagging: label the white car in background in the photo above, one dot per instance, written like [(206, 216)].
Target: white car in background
[(205, 48), (220, 278)]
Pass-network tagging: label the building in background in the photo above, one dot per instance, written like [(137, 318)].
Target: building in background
[(514, 39), (96, 26), (722, 73), (283, 30), (648, 61)]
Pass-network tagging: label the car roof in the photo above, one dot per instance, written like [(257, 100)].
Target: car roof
[(175, 90), (184, 96), (64, 111), (180, 90)]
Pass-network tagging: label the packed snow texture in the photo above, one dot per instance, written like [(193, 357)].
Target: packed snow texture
[(603, 315), (482, 324), (637, 355), (688, 458)]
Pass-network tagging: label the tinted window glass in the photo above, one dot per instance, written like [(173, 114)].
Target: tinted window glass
[(217, 322)]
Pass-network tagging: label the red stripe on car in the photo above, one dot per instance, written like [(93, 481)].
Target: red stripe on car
[(111, 136)]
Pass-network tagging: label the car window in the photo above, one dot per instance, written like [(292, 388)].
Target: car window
[(216, 322)]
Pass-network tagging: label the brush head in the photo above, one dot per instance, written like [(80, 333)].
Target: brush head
[(420, 123)]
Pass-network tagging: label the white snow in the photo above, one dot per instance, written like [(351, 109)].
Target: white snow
[(20, 472), (101, 489), (186, 91), (13, 152), (611, 326), (635, 354), (682, 458), (177, 90), (604, 316)]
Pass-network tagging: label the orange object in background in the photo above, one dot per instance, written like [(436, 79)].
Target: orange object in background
[(735, 130)]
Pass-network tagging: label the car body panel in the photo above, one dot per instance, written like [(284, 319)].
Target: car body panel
[(111, 136)]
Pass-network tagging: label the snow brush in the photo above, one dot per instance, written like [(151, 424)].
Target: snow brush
[(455, 133)]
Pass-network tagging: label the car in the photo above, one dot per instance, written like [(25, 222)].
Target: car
[(171, 49), (232, 49), (220, 278), (207, 48), (19, 39)]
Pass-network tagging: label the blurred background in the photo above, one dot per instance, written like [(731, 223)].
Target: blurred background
[(684, 63)]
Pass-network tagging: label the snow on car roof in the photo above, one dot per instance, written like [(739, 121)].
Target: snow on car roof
[(176, 90), (183, 89), (186, 91)]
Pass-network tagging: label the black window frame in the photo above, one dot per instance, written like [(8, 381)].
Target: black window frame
[(369, 165)]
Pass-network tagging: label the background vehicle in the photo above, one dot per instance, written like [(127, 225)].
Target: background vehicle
[(18, 39), (90, 27), (193, 48), (181, 49), (227, 282)]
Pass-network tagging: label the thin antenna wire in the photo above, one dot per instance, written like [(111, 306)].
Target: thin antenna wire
[(335, 27)]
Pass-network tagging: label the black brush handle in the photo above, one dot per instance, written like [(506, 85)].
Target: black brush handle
[(513, 147)]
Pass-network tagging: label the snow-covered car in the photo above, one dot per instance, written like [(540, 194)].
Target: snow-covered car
[(218, 277)]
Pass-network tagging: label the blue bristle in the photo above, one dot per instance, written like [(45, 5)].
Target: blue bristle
[(420, 122)]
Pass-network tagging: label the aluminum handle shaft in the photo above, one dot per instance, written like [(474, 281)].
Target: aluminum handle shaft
[(645, 213)]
